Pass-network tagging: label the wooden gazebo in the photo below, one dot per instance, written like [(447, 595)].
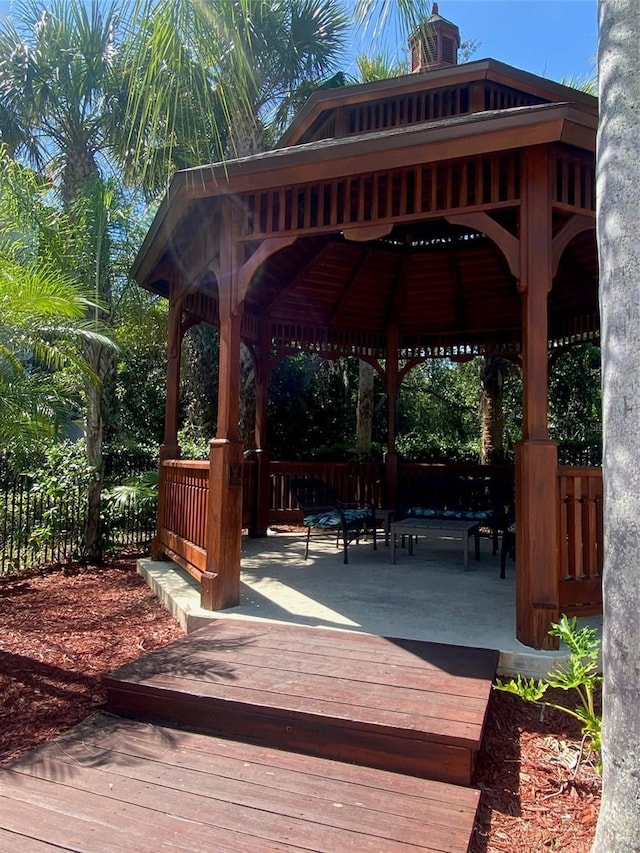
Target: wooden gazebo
[(440, 214)]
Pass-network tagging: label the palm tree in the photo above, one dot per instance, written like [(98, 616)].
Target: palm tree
[(58, 84), (618, 180), (233, 63), (377, 66), (75, 99), (240, 68)]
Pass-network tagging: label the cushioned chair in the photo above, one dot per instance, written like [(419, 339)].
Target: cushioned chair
[(322, 508)]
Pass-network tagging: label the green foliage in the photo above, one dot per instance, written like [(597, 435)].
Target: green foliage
[(61, 468), (438, 413), (219, 72), (43, 323), (199, 380), (575, 405), (43, 510), (377, 66), (56, 64), (136, 497), (140, 373), (580, 674), (58, 490), (193, 442), (312, 408)]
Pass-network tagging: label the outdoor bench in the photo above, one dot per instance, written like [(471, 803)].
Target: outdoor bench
[(473, 497)]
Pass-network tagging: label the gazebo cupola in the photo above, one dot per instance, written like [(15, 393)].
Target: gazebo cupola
[(434, 44)]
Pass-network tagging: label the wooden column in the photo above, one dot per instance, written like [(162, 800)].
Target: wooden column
[(169, 449), (537, 588), (220, 584), (263, 371), (391, 456)]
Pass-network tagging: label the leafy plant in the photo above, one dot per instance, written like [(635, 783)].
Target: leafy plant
[(580, 674), (130, 507)]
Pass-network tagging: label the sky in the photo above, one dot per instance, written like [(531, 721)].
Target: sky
[(551, 38)]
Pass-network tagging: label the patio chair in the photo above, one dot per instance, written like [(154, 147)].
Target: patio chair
[(322, 508), (508, 547)]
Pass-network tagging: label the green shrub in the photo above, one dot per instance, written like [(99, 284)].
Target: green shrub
[(579, 674)]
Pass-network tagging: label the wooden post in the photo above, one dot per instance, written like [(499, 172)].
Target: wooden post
[(263, 370), (391, 457), (220, 583), (169, 449), (537, 587)]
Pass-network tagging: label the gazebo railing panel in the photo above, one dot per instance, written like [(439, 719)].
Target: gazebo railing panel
[(182, 512), (580, 542), (353, 481), (458, 486)]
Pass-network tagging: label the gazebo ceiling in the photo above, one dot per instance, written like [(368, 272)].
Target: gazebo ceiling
[(431, 278), (442, 284)]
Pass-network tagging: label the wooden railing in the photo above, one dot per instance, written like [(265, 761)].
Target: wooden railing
[(182, 512), (184, 494), (352, 481), (460, 485), (580, 540)]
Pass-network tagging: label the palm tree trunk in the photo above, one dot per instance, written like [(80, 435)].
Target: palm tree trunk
[(491, 414), (101, 360), (618, 200), (200, 382), (364, 418), (247, 398)]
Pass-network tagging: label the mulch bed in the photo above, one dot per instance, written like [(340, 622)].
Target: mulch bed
[(62, 628)]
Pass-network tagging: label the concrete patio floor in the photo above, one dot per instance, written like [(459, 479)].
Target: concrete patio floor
[(427, 597)]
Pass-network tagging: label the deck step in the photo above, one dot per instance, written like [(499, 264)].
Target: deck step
[(112, 785), (405, 706)]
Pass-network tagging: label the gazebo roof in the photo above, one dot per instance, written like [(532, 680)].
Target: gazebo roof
[(317, 117), (384, 198)]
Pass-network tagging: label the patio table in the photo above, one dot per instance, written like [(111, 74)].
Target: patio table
[(436, 528)]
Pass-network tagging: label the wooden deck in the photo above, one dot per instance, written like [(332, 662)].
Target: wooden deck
[(283, 738), (406, 706), (118, 786)]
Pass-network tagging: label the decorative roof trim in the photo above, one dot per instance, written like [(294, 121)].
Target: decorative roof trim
[(469, 72)]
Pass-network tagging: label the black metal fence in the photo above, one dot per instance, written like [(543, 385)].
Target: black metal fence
[(37, 528)]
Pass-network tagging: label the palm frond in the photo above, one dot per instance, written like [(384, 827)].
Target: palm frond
[(373, 17)]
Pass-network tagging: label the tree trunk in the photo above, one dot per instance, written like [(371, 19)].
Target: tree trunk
[(200, 385), (364, 418), (618, 202), (101, 359), (491, 384), (247, 398)]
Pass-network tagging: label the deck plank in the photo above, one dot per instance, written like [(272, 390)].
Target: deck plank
[(322, 662), (406, 706), (112, 784)]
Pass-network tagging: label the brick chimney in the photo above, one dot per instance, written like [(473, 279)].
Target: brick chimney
[(434, 44)]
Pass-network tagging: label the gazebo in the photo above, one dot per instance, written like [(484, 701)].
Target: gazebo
[(447, 213)]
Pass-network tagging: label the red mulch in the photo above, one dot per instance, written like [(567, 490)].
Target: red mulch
[(61, 629)]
